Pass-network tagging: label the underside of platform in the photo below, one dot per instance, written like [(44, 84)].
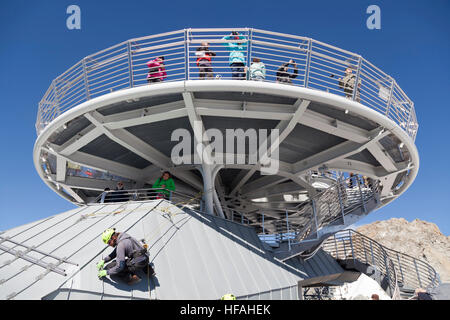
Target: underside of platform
[(128, 136)]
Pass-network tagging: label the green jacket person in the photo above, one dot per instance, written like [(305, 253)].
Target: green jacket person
[(165, 182)]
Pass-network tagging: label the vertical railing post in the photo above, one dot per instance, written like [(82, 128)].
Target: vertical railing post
[(341, 204), (57, 102), (408, 125), (130, 64), (186, 53), (335, 246), (371, 252), (416, 125), (313, 204), (86, 82), (351, 245), (264, 231), (287, 226), (400, 268), (365, 250), (387, 273), (360, 193), (39, 121), (391, 93), (417, 271), (308, 63), (345, 249), (356, 89), (249, 48)]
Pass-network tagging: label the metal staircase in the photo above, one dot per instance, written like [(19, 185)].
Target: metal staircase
[(398, 274), (331, 210)]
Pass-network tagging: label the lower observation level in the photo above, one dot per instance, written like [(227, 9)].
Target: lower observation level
[(345, 129)]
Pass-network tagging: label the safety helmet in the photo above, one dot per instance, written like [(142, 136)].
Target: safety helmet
[(228, 296), (107, 234)]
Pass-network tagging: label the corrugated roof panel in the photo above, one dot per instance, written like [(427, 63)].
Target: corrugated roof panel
[(48, 231), (265, 258), (159, 231), (218, 261), (213, 279), (79, 242), (94, 249), (195, 256), (240, 284), (227, 268), (251, 262), (22, 234), (189, 267), (20, 229)]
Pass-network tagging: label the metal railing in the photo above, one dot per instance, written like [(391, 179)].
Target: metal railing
[(349, 245), (317, 66), (413, 273), (175, 197), (352, 195), (402, 271)]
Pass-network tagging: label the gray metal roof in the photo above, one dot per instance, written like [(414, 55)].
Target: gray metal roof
[(195, 256)]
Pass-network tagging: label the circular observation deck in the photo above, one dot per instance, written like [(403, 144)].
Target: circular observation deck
[(101, 122)]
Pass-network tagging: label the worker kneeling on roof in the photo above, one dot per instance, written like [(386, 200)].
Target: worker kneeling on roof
[(130, 256)]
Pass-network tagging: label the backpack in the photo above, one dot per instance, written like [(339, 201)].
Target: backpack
[(153, 70)]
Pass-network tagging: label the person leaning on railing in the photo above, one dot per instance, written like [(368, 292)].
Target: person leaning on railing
[(283, 75), (347, 83), (204, 61), (157, 71), (166, 184), (119, 194), (257, 70), (237, 57)]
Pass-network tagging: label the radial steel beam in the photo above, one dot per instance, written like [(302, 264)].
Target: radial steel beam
[(382, 157), (80, 140), (141, 148), (98, 163), (285, 127), (147, 115), (61, 165)]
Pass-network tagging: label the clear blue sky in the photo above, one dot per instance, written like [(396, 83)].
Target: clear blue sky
[(413, 46)]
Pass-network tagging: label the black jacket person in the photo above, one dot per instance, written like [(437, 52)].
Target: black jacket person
[(283, 75)]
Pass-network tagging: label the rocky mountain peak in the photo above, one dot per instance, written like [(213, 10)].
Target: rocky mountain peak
[(420, 239)]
